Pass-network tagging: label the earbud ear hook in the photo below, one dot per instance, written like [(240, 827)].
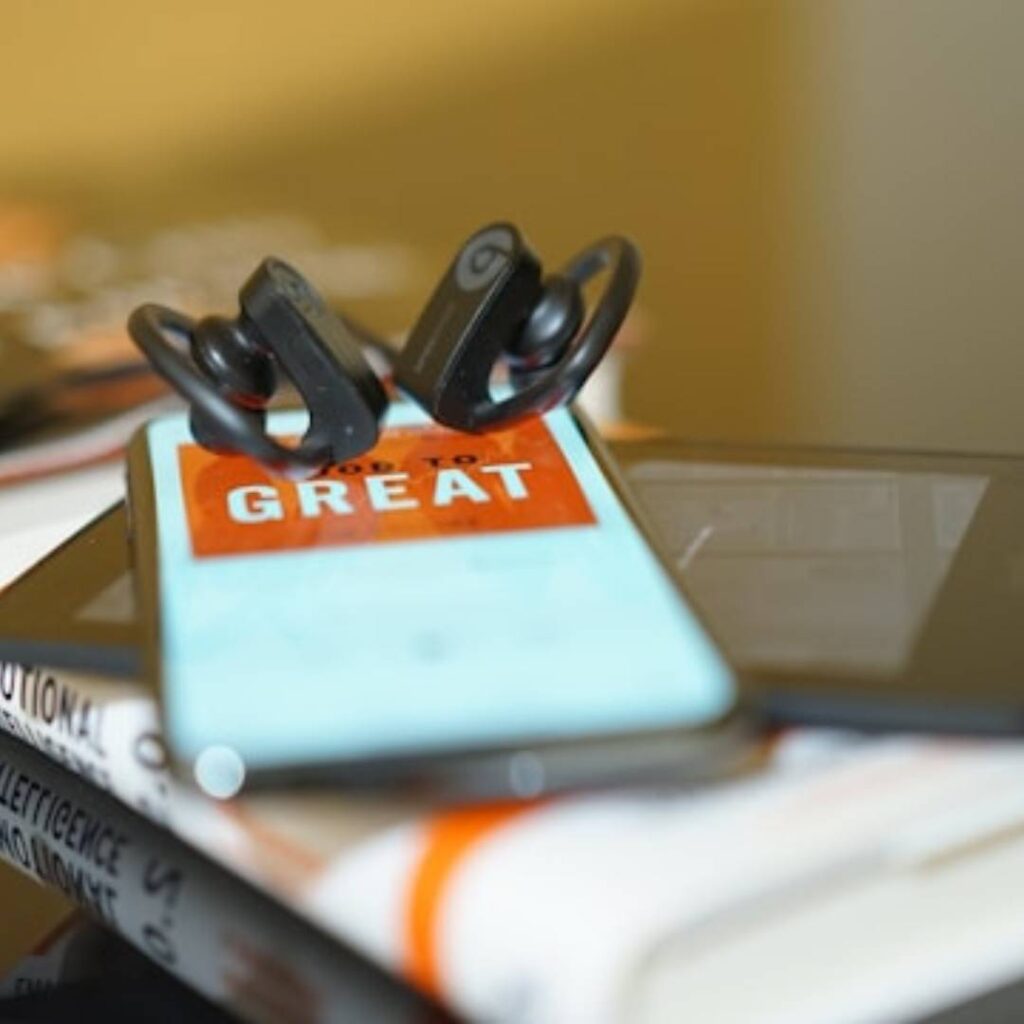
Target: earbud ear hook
[(558, 382)]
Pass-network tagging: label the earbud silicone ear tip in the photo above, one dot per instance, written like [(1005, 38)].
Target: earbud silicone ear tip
[(551, 327), (224, 354)]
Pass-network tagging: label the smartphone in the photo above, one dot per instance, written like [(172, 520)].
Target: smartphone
[(478, 614), (878, 590)]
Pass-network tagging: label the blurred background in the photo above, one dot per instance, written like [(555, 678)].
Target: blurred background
[(827, 192)]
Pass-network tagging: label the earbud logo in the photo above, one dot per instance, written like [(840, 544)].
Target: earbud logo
[(296, 289), (483, 259)]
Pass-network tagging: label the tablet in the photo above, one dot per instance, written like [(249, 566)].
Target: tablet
[(869, 589)]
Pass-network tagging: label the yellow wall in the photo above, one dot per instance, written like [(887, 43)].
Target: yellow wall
[(826, 190), (904, 305), (116, 86)]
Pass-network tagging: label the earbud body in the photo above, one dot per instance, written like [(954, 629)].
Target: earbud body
[(491, 307), (231, 368), (475, 314)]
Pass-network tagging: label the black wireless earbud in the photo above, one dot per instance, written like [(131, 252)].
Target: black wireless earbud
[(231, 367), (493, 306)]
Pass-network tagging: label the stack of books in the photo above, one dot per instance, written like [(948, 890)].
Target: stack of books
[(845, 878)]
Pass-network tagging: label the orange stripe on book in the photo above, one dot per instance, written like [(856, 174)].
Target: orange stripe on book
[(449, 838)]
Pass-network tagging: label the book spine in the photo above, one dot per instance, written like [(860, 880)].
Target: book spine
[(207, 927), (107, 733)]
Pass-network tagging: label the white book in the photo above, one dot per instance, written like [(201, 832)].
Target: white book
[(191, 917), (600, 907)]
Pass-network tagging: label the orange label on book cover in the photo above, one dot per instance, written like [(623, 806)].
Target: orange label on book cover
[(417, 483)]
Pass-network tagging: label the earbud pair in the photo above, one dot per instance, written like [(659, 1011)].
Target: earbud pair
[(492, 306)]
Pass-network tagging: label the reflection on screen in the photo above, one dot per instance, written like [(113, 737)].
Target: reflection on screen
[(115, 603), (802, 567)]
